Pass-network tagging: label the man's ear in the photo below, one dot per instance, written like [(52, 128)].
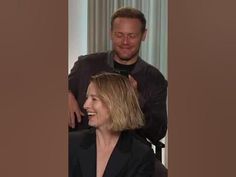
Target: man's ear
[(144, 35), (110, 33)]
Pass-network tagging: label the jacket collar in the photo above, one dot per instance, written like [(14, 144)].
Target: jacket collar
[(138, 66), (118, 159)]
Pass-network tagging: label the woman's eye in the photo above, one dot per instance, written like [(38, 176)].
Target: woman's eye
[(94, 99)]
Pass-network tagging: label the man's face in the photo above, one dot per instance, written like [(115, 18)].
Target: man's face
[(126, 36)]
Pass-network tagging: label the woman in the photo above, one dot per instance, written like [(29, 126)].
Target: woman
[(110, 149)]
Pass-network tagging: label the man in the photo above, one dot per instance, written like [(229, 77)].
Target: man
[(128, 30)]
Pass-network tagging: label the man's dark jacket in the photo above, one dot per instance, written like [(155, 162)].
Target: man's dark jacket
[(152, 88)]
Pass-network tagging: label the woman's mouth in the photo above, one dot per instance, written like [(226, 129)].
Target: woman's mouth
[(91, 113)]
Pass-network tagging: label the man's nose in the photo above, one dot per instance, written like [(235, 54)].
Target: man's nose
[(125, 40)]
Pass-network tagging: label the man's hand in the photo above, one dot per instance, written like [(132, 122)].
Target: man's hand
[(133, 82), (73, 110)]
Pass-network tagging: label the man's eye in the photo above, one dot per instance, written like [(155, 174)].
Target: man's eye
[(119, 35), (132, 36)]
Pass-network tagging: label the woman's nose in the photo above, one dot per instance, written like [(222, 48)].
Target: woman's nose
[(86, 105)]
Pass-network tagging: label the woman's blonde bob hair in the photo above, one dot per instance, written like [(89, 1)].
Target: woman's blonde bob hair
[(117, 93)]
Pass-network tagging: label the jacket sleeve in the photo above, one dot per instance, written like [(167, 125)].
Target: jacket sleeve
[(74, 77), (154, 109), (73, 164)]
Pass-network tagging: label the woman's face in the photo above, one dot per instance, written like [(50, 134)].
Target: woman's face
[(98, 113)]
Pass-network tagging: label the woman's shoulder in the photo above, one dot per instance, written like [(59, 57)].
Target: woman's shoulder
[(141, 155), (137, 144), (81, 138), (74, 135)]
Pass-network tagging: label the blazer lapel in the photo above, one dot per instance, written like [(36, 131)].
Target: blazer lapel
[(119, 157)]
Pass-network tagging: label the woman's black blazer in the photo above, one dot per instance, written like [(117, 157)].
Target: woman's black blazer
[(131, 156)]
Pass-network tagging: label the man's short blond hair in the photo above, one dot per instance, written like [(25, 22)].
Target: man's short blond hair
[(129, 12)]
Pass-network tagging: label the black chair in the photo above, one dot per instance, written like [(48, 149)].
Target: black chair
[(160, 169), (159, 147)]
